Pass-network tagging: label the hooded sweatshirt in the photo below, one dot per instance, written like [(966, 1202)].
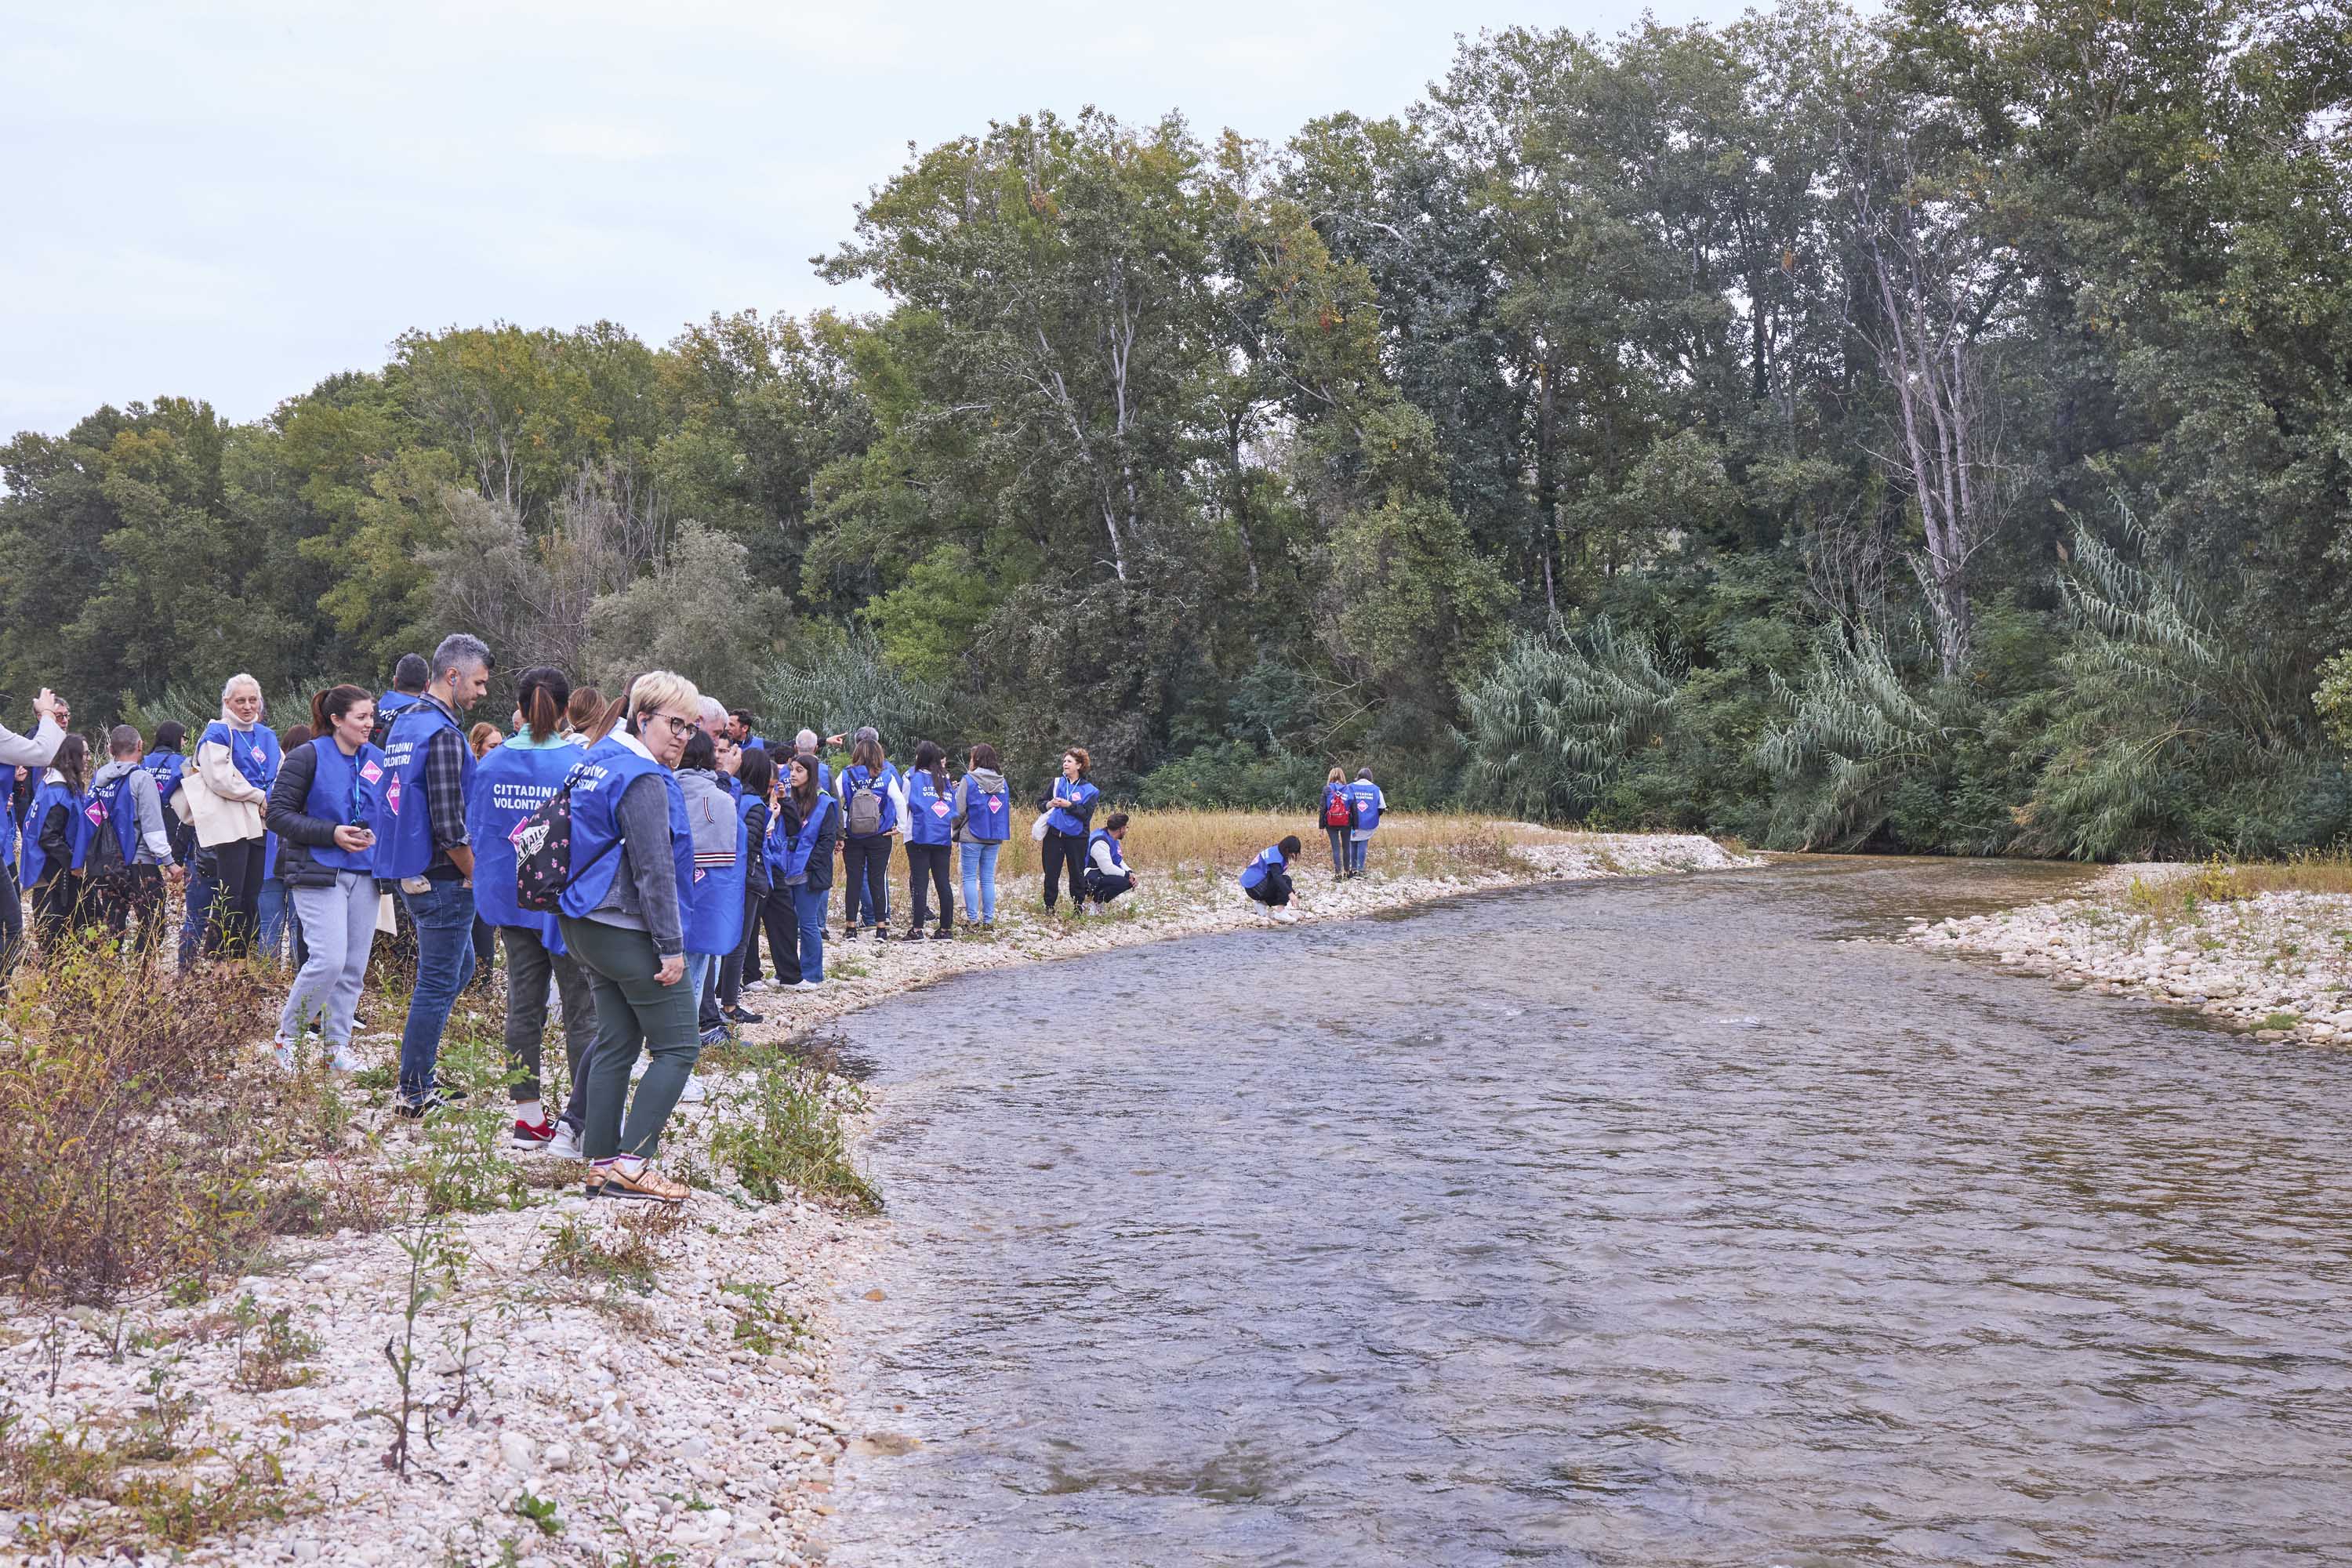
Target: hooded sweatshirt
[(986, 781), (147, 803)]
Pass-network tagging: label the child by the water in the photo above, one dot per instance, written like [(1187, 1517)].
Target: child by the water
[(1267, 880)]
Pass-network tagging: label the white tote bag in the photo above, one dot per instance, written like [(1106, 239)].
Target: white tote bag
[(1037, 829)]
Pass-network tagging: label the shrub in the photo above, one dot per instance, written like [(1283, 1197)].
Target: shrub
[(134, 1131), (784, 1133)]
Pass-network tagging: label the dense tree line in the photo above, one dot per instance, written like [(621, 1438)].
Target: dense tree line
[(1933, 431)]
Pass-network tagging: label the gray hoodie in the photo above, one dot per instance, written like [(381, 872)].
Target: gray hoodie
[(988, 780), (146, 803)]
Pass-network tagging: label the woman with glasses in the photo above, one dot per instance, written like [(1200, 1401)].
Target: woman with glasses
[(624, 918)]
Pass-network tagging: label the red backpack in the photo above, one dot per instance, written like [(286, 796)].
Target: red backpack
[(1338, 807)]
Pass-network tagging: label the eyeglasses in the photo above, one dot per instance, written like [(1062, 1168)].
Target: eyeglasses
[(677, 726)]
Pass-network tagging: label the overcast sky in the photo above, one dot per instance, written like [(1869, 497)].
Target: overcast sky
[(233, 201)]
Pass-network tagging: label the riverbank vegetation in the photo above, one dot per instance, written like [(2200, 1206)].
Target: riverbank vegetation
[(2263, 947), (1924, 431)]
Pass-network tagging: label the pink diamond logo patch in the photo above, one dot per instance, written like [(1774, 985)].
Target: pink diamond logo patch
[(371, 773), (392, 797), (95, 812), (939, 808)]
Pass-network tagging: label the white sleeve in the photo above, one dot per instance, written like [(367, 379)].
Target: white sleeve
[(220, 774), (38, 750), (899, 797), (1099, 853), (1381, 796)]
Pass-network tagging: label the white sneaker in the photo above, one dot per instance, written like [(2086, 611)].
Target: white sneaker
[(1287, 916), (810, 985), (565, 1145), (755, 985), (694, 1093), (283, 1054), (343, 1060)]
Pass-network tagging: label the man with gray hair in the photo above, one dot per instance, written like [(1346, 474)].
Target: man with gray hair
[(421, 843), (804, 744)]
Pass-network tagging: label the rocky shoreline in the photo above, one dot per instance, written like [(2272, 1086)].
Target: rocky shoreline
[(2277, 964), (591, 1383)]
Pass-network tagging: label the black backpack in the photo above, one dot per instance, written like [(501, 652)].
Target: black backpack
[(542, 847), (105, 851)]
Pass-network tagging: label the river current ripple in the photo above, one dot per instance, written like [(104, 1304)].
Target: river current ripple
[(1617, 1223)]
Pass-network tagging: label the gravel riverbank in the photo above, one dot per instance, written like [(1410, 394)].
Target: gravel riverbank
[(2277, 963), (589, 1383)]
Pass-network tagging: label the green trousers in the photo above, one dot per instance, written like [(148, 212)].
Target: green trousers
[(633, 1012)]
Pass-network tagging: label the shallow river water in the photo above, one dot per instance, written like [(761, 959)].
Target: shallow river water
[(1636, 1221)]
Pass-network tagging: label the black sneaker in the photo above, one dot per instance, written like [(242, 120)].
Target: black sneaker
[(943, 934), (744, 1015), (414, 1109), (449, 1092), (881, 933), (849, 933)]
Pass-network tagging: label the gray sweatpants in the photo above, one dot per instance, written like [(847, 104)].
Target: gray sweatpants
[(339, 925), (529, 965)]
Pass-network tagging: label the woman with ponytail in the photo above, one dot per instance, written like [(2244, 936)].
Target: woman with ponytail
[(514, 780), (56, 837), (320, 807)]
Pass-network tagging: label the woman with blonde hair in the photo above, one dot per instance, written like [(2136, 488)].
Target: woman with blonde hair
[(623, 919), (236, 762), (1338, 818)]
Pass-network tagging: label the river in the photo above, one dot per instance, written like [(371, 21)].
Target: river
[(1640, 1222)]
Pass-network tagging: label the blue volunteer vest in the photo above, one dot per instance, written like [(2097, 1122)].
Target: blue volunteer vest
[(510, 784), (116, 811), (987, 813), (8, 832), (344, 790), (393, 703), (78, 831), (803, 843), (255, 752), (606, 775), (1060, 820), (852, 776), (1101, 836), (403, 817), (1368, 804), (169, 768), (714, 921), (928, 810), (1254, 874)]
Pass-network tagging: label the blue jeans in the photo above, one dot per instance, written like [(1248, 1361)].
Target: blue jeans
[(808, 908), (980, 880), (200, 889), (1356, 848), (443, 914), (277, 914)]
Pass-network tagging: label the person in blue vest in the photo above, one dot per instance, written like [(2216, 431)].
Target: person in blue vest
[(714, 910), (623, 919), (56, 839), (754, 806), (421, 843), (1338, 816), (1266, 880), (739, 726), (321, 811), (1370, 804), (410, 676), (983, 819), (23, 758), (930, 829), (276, 927), (128, 893), (873, 803), (237, 759), (512, 780), (1069, 819), (807, 863), (1107, 873), (805, 745), (170, 767)]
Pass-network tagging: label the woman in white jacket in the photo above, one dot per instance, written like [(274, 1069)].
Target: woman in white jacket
[(237, 759)]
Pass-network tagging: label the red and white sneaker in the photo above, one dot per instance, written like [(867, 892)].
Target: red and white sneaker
[(526, 1136)]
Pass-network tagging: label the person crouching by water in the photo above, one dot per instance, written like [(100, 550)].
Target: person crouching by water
[(1267, 880), (320, 807), (1108, 872), (514, 780), (623, 919)]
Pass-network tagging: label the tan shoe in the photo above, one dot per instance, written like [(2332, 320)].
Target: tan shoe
[(646, 1185)]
